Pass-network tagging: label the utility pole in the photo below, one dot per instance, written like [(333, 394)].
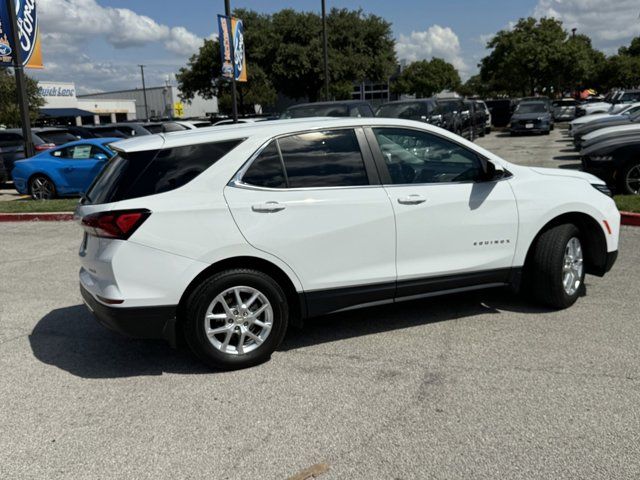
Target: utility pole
[(232, 38), (144, 92), (23, 102), (325, 48)]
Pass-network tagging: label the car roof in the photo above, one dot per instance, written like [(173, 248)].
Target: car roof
[(323, 104), (260, 130)]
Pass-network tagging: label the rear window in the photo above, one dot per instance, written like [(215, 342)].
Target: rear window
[(139, 174), (59, 138)]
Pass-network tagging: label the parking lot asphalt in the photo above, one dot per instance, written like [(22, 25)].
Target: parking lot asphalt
[(476, 385)]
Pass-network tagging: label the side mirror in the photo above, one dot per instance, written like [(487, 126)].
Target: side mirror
[(488, 171), (101, 157)]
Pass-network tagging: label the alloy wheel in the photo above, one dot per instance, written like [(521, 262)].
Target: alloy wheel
[(633, 180), (573, 266), (238, 320), (42, 188)]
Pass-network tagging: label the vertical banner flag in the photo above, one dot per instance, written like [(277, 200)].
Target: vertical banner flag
[(28, 35), (227, 28)]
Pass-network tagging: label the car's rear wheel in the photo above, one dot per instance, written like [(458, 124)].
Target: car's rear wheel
[(236, 319), (557, 267), (630, 178), (42, 188)]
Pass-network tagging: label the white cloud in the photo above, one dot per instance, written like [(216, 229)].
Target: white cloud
[(609, 24), (121, 27), (436, 41)]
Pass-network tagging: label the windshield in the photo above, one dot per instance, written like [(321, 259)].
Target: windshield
[(317, 111), (531, 108), (408, 110)]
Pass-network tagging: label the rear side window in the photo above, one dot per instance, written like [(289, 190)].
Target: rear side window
[(139, 174), (267, 169)]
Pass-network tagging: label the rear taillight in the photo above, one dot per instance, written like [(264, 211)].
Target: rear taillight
[(119, 224), (44, 146)]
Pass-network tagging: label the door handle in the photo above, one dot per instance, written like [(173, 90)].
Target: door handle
[(268, 207), (412, 200)]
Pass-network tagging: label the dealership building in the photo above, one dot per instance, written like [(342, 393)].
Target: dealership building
[(63, 106)]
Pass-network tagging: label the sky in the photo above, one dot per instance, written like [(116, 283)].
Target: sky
[(98, 44)]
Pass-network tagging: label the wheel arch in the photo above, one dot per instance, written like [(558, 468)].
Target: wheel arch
[(592, 236), (296, 301)]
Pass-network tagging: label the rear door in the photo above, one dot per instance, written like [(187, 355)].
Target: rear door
[(314, 201), (453, 230)]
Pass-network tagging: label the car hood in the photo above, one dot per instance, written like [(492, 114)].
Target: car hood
[(607, 145), (602, 132), (557, 172), (597, 125)]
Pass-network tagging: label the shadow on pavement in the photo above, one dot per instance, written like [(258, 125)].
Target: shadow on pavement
[(573, 157), (71, 339), (386, 318), (571, 166)]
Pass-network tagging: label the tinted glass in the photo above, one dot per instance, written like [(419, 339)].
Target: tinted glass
[(317, 111), (451, 106), (365, 111), (531, 108), (157, 128), (407, 110), (323, 159), (419, 157), (78, 152), (59, 138), (173, 127), (138, 174), (10, 139), (266, 170)]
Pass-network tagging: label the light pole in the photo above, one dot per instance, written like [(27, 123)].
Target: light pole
[(144, 93), (234, 100), (23, 102), (325, 48)]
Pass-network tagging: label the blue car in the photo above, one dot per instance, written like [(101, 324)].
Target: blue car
[(64, 171)]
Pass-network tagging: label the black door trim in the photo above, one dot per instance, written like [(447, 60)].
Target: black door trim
[(321, 302)]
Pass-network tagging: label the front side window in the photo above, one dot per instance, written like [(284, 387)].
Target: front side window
[(412, 156)]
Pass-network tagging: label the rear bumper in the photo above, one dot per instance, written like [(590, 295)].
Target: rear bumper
[(135, 322)]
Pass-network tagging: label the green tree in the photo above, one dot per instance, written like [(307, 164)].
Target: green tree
[(527, 58), (633, 50), (284, 54), (424, 78), (9, 109)]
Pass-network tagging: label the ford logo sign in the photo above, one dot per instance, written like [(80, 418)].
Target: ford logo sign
[(27, 27), (5, 50)]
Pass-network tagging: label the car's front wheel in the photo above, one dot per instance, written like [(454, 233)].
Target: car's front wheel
[(557, 267), (42, 188), (236, 319)]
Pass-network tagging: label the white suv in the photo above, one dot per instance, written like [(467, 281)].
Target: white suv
[(224, 236)]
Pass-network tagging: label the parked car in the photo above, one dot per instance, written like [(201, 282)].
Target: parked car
[(596, 105), (500, 111), (487, 112), (626, 111), (193, 124), (477, 118), (610, 133), (616, 161), (457, 116), (564, 110), (55, 135), (611, 121), (12, 147), (346, 108), (63, 171), (531, 117), (421, 110), (233, 234), (622, 100)]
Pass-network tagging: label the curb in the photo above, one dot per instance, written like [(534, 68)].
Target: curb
[(632, 219), (36, 217)]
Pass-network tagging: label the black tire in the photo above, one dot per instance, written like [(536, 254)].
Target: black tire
[(545, 270), (630, 168), (50, 188), (202, 297)]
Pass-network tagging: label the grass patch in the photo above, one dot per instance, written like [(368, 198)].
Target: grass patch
[(38, 206), (628, 203)]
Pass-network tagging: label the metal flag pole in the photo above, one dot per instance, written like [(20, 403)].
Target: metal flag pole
[(144, 93), (326, 50), (234, 98), (20, 83)]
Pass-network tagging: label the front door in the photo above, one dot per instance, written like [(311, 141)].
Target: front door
[(311, 200), (79, 166), (452, 230)]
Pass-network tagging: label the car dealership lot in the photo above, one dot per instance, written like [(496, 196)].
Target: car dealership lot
[(477, 385)]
